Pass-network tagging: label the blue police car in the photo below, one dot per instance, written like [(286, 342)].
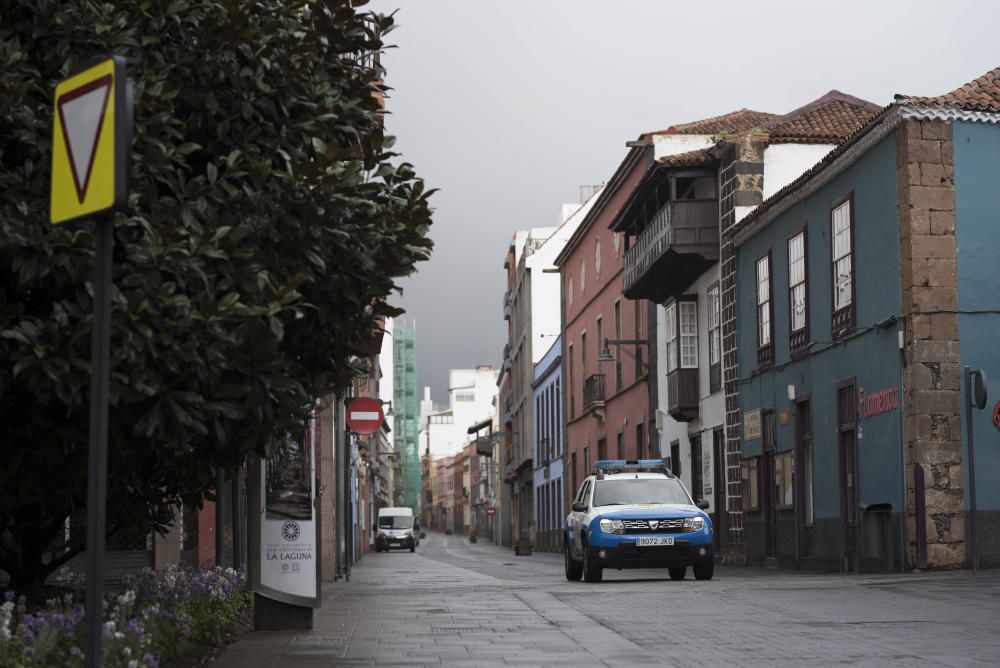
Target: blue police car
[(636, 514)]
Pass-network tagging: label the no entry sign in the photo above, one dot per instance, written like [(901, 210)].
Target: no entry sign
[(364, 415)]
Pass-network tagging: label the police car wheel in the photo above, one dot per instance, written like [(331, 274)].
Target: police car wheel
[(677, 573), (704, 570), (574, 569), (591, 571)]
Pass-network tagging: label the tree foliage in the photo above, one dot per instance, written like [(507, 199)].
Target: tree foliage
[(257, 250)]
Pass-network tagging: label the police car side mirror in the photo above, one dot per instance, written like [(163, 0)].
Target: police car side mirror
[(702, 503), (579, 507)]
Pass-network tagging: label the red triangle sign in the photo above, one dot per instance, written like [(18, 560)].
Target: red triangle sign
[(81, 115)]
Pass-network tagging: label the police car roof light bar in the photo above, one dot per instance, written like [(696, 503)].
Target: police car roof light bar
[(629, 464)]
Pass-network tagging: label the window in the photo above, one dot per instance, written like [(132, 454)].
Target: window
[(714, 339), (465, 396), (783, 480), (572, 470), (682, 335), (671, 337), (557, 417), (688, 313), (597, 258), (600, 339), (586, 460), (842, 233), (765, 349), (675, 457), (805, 463), (619, 381), (620, 454), (640, 441), (583, 353), (572, 397), (583, 278), (751, 495), (638, 335), (569, 290), (697, 464), (797, 292)]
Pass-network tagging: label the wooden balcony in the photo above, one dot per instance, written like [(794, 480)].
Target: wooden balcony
[(593, 393), (680, 243), (682, 394)]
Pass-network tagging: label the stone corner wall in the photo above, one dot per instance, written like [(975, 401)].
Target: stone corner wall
[(932, 426), (742, 185)]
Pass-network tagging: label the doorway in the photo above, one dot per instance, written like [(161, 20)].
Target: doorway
[(804, 476), (697, 490), (847, 428), (767, 496), (719, 471)]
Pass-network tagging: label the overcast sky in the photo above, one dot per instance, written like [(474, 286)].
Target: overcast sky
[(508, 107)]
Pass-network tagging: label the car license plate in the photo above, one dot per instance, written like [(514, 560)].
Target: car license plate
[(654, 540)]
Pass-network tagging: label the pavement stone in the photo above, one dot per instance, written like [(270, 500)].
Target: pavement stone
[(453, 603)]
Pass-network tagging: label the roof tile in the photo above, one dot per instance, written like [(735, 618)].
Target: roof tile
[(827, 120), (701, 156), (736, 121), (981, 94)]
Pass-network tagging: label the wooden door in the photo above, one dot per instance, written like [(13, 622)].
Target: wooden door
[(848, 455)]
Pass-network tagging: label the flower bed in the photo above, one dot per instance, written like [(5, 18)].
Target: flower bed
[(158, 616)]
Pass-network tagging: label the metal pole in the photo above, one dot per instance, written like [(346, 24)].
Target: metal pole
[(100, 360), (220, 517), (972, 469)]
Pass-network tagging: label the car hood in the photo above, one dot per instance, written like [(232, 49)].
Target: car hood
[(648, 511)]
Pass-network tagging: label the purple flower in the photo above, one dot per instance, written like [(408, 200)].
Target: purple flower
[(8, 596)]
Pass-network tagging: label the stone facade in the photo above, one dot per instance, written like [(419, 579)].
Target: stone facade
[(931, 375), (742, 181)]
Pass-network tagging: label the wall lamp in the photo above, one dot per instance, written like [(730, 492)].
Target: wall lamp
[(606, 355)]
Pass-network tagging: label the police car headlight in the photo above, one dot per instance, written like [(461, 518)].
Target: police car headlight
[(612, 526), (694, 523)]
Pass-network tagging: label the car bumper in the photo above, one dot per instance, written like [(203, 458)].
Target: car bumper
[(390, 543), (686, 551)]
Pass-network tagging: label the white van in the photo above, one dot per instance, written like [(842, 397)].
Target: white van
[(396, 528)]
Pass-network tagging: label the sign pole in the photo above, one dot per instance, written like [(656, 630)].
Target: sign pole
[(100, 354)]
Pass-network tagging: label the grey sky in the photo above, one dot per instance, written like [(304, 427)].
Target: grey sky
[(507, 107)]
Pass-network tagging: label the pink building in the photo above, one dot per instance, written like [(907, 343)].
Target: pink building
[(607, 404)]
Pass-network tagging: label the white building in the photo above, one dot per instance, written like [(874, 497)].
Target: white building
[(470, 400)]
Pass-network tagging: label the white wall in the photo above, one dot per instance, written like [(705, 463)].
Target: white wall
[(712, 406), (449, 433), (673, 144), (783, 163), (385, 361)]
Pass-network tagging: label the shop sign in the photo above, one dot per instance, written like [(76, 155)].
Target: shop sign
[(751, 425), (871, 404)]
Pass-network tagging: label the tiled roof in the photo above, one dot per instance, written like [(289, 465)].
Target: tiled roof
[(736, 121), (826, 120), (700, 157), (982, 94)]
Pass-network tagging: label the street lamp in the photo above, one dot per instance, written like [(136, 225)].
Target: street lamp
[(606, 355)]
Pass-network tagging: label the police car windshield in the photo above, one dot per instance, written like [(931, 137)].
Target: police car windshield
[(639, 491)]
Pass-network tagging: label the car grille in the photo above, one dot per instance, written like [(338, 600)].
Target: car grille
[(673, 525)]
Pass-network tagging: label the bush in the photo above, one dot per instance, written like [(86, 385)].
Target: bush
[(157, 616)]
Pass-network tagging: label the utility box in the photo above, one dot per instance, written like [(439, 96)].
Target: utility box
[(522, 548)]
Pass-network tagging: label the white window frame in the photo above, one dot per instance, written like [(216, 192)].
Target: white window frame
[(842, 255), (763, 266), (687, 328), (797, 292), (714, 325), (671, 337)]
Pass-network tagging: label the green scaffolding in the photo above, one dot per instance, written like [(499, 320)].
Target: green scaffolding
[(406, 490)]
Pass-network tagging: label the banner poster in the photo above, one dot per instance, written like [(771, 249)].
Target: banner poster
[(288, 546)]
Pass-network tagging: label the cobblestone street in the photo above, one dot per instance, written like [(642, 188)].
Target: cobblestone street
[(459, 604)]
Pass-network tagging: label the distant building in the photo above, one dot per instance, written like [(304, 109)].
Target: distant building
[(550, 490), (405, 417)]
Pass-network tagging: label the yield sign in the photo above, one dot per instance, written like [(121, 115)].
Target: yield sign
[(89, 142), (364, 415)]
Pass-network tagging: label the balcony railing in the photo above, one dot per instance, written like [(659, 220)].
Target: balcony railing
[(593, 391), (680, 228)]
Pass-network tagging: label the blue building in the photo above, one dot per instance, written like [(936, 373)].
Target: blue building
[(549, 491), (863, 288)]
